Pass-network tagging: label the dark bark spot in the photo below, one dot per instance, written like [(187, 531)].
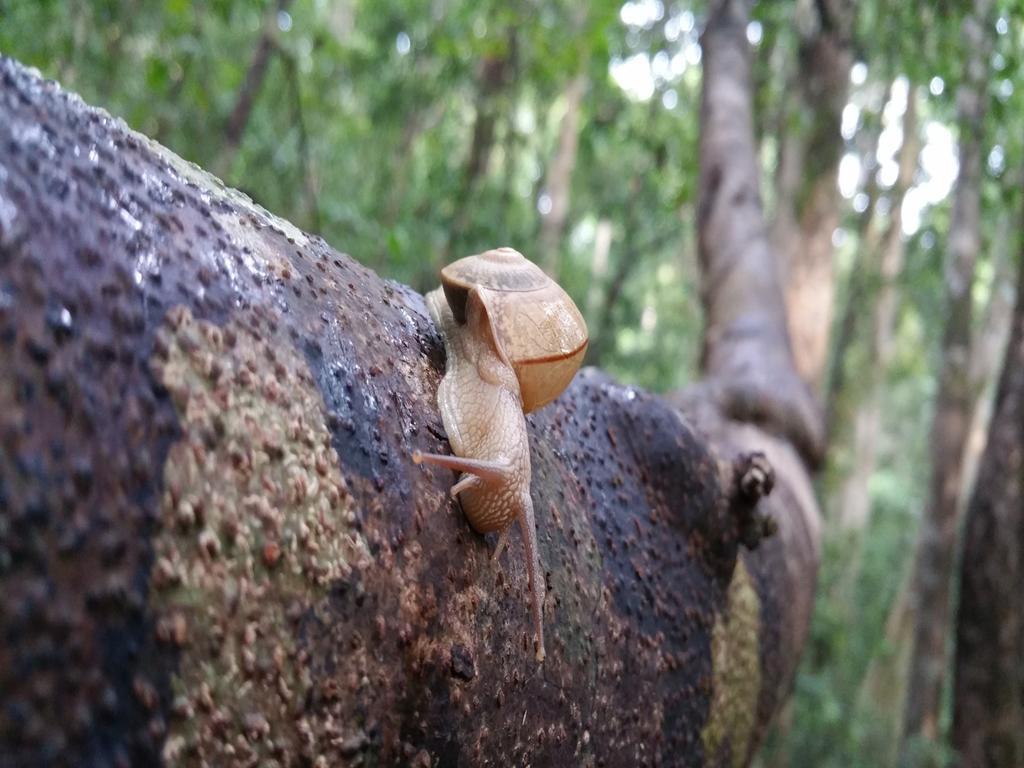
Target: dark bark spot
[(462, 663)]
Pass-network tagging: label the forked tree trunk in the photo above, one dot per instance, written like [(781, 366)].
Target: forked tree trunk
[(933, 567), (749, 374), (214, 548)]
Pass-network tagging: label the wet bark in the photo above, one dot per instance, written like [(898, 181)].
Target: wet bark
[(214, 546), (808, 204), (934, 559), (988, 695)]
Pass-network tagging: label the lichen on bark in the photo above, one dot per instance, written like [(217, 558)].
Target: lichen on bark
[(737, 672), (256, 524)]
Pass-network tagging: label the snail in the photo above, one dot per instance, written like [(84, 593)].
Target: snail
[(514, 340)]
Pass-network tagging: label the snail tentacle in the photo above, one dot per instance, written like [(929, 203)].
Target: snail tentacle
[(467, 482), (492, 471), (538, 583), (500, 546)]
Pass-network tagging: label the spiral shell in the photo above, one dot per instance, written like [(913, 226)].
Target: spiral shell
[(534, 321)]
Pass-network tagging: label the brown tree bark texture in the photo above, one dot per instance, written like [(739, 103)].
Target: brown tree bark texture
[(933, 565), (214, 547), (990, 337), (988, 697)]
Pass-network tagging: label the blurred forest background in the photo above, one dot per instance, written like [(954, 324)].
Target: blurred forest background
[(408, 133)]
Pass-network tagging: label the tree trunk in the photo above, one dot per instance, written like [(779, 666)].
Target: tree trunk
[(214, 548), (808, 204), (310, 182), (558, 184), (934, 560), (988, 697), (855, 502), (883, 689), (601, 330), (988, 347), (749, 375), (837, 397), (496, 72)]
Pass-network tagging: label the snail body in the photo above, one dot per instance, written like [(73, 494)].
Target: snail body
[(513, 339)]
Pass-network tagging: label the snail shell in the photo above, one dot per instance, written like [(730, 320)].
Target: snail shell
[(534, 321)]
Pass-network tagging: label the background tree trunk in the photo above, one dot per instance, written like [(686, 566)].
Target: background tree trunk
[(885, 267), (934, 559), (808, 204), (988, 698), (497, 72), (558, 183), (603, 234), (837, 400), (213, 546), (601, 321), (988, 347), (254, 75)]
